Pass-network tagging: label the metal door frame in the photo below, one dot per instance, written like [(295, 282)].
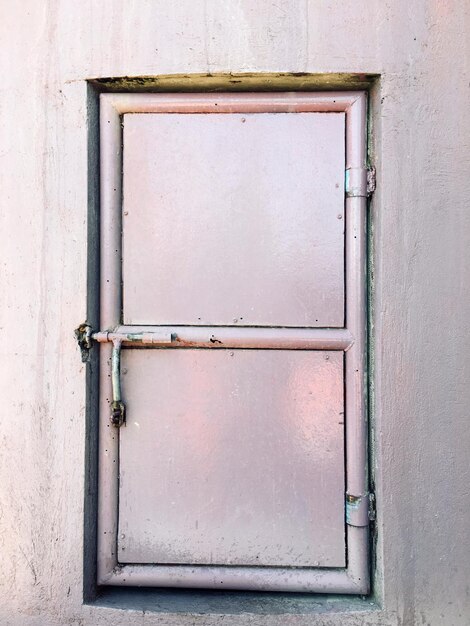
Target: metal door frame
[(354, 579)]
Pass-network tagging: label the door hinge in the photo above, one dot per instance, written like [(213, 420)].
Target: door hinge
[(360, 510), (360, 182)]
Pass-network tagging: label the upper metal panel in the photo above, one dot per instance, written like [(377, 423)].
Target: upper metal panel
[(234, 218), (232, 457)]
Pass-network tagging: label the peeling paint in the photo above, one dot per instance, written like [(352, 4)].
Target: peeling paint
[(273, 81)]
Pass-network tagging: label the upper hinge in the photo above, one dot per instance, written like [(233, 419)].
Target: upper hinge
[(360, 182), (360, 510)]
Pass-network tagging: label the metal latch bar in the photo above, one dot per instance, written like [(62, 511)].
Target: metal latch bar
[(118, 409), (145, 338)]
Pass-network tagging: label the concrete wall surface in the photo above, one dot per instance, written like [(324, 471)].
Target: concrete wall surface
[(420, 235)]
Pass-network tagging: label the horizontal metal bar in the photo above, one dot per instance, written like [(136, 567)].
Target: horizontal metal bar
[(237, 578), (230, 337), (123, 103), (353, 580)]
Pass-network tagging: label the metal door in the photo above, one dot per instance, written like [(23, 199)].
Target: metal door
[(233, 333)]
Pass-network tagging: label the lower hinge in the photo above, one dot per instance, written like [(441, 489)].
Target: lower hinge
[(360, 510)]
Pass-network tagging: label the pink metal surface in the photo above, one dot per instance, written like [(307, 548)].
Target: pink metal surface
[(234, 219), (232, 458), (354, 577)]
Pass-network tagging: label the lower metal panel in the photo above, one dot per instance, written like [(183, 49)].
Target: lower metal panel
[(232, 457)]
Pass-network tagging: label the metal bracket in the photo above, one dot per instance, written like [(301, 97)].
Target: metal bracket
[(118, 413), (371, 180), (359, 509), (360, 182), (84, 339)]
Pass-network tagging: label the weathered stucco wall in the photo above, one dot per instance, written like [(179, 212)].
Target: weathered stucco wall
[(421, 292)]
